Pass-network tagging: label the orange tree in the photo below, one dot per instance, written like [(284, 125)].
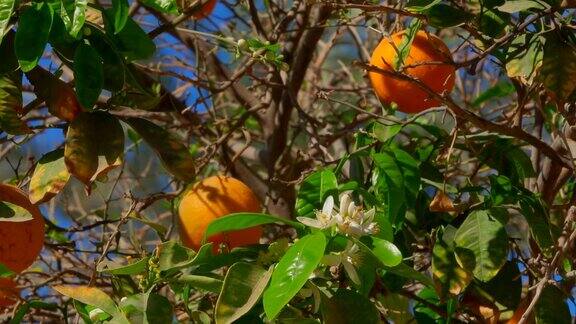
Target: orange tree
[(409, 161)]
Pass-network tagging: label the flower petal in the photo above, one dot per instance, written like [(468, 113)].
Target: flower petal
[(311, 222), (328, 207), (351, 271)]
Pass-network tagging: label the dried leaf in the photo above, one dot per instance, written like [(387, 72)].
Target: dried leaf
[(442, 203)]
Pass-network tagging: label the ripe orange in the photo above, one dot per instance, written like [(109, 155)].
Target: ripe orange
[(205, 11), (423, 63), (8, 293), (20, 242), (212, 198)]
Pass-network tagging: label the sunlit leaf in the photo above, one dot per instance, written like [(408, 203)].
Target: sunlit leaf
[(91, 296), (59, 96), (448, 274), (73, 14), (481, 244), (313, 190), (243, 286), (238, 221), (292, 272), (136, 267), (49, 177), (120, 14), (6, 7)]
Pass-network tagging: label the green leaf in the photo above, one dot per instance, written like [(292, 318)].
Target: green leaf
[(120, 14), (165, 6), (293, 271), (499, 90), (238, 221), (209, 284), (408, 272), (136, 267), (388, 182), (147, 308), (558, 71), (49, 177), (131, 41), (512, 6), (384, 251), (73, 14), (160, 229), (385, 132), (508, 159), (243, 286), (481, 244), (94, 297), (411, 172), (525, 57), (493, 22), (90, 152), (551, 308), (32, 35), (406, 44), (6, 7), (452, 277), (443, 16), (113, 64), (173, 154), (173, 256), (11, 104), (536, 214), (313, 190), (7, 53), (88, 75), (347, 306)]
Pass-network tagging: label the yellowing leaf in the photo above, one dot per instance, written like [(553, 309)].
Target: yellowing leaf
[(93, 297), (11, 104), (441, 203), (94, 145), (49, 177)]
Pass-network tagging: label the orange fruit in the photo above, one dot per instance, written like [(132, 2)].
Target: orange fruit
[(205, 11), (423, 63), (20, 242), (9, 294), (212, 198)]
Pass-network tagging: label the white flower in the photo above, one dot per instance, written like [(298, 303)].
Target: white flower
[(324, 218), (347, 258), (350, 219), (353, 220)]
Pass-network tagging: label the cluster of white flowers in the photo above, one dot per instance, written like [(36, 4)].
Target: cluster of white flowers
[(349, 219)]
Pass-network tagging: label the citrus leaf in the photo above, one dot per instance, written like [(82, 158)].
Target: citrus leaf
[(388, 182), (11, 104), (450, 276), (499, 90), (73, 14), (313, 190), (32, 35), (238, 221), (242, 288), (209, 284), (120, 14), (91, 296), (13, 213), (136, 267), (49, 177), (406, 44), (385, 251), (173, 154), (58, 95), (443, 16), (113, 64), (406, 271), (481, 244), (131, 41), (6, 7), (523, 63), (90, 151), (537, 217), (165, 6), (347, 306), (558, 71), (292, 272), (147, 308), (521, 5), (9, 59), (88, 75)]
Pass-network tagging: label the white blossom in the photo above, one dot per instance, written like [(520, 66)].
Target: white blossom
[(324, 218), (347, 258)]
